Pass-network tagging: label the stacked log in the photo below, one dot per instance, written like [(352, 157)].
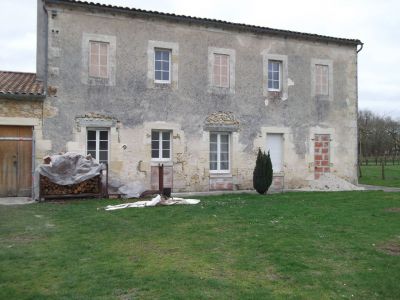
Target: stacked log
[(90, 186)]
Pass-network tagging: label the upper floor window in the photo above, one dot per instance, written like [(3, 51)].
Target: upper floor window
[(221, 70), (161, 145), (162, 66), (321, 79), (219, 152), (274, 75), (98, 59)]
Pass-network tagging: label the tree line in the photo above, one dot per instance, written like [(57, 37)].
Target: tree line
[(379, 137)]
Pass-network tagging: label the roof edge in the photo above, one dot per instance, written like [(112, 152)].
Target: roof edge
[(214, 22), (20, 96)]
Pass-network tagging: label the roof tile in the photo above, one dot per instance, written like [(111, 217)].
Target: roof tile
[(20, 84)]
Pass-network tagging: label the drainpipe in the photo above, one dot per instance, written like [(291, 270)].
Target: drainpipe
[(358, 150), (46, 60)]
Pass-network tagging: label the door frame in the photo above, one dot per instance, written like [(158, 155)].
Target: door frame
[(35, 123)]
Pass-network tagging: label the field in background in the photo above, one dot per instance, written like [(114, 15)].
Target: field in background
[(372, 175), (290, 245)]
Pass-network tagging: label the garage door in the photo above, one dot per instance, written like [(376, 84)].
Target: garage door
[(15, 161)]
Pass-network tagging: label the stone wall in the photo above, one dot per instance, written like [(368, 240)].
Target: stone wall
[(138, 105)]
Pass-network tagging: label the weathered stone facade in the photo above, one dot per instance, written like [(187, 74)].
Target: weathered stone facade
[(130, 104)]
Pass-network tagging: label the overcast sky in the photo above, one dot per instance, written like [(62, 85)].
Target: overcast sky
[(376, 23)]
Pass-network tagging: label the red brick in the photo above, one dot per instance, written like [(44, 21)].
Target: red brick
[(317, 150), (325, 150), (317, 169), (317, 175), (324, 163), (326, 157), (326, 144), (318, 144), (318, 157), (327, 170), (318, 163)]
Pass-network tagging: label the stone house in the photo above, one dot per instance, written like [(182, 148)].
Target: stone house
[(137, 89)]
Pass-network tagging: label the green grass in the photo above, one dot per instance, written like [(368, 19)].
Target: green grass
[(373, 175), (282, 246)]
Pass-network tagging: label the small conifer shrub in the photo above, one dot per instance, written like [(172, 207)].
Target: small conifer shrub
[(262, 175)]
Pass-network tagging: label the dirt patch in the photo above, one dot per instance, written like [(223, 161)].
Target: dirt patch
[(393, 209), (391, 248)]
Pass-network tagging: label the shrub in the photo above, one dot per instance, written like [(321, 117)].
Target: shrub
[(270, 172), (262, 175)]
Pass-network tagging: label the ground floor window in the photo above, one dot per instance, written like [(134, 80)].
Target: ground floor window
[(98, 144), (219, 152), (161, 145)]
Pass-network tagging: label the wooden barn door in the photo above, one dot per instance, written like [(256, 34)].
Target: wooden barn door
[(15, 161)]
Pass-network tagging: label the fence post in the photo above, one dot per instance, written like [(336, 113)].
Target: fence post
[(383, 170)]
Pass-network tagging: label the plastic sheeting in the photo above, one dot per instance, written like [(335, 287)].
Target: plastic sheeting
[(154, 202), (70, 168), (66, 169)]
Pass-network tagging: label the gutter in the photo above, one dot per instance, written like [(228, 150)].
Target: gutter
[(23, 97), (362, 46)]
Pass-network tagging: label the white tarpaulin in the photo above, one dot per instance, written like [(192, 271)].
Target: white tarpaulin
[(70, 168), (66, 169), (153, 202)]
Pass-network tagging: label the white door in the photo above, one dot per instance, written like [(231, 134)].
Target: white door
[(275, 148)]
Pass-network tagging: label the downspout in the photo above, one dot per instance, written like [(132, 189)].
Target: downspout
[(358, 133), (46, 61), (362, 46)]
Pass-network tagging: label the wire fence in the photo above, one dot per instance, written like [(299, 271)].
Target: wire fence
[(378, 161)]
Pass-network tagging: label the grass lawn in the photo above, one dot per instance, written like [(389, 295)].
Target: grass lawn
[(282, 246), (373, 175)]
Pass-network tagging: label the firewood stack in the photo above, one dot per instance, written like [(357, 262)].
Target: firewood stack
[(90, 186)]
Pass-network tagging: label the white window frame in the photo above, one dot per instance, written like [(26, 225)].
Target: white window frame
[(91, 43), (97, 130), (218, 170), (280, 75), (169, 66), (160, 147)]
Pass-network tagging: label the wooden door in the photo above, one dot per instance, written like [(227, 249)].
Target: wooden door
[(15, 161)]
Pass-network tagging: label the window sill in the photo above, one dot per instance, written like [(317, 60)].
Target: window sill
[(322, 97), (98, 81), (220, 174), (275, 95), (220, 90), (166, 163)]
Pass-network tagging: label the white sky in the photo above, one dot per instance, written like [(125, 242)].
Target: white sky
[(374, 22)]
